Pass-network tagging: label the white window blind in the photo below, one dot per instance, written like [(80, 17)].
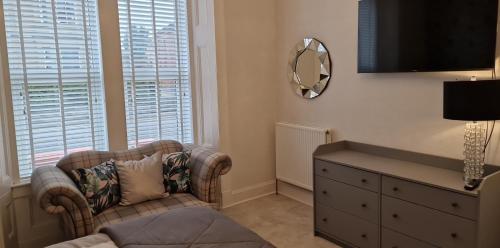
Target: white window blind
[(55, 73), (155, 58)]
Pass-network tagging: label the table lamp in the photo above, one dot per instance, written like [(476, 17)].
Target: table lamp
[(476, 102)]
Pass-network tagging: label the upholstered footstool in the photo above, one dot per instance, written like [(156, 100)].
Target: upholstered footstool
[(194, 227)]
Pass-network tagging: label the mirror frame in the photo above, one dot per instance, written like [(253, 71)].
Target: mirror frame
[(319, 87)]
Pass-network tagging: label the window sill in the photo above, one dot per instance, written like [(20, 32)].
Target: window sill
[(21, 183)]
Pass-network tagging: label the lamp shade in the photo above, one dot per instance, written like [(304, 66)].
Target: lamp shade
[(471, 100)]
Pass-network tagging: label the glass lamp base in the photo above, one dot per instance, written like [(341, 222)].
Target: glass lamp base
[(475, 138), (472, 184)]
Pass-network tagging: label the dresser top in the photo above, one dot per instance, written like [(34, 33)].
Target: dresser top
[(441, 172)]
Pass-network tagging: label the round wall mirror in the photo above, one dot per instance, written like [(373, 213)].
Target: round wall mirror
[(309, 68)]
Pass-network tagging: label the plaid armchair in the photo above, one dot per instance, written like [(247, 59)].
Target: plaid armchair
[(57, 193)]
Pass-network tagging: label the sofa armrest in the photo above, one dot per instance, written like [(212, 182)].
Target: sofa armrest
[(56, 193), (207, 167)]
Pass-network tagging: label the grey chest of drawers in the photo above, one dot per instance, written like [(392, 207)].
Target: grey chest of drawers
[(376, 197)]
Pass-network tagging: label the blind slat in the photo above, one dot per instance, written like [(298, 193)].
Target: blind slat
[(54, 63), (155, 58)]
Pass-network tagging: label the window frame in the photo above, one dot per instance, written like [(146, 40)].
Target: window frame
[(112, 78)]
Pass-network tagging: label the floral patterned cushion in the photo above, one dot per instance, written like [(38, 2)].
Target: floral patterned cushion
[(99, 185), (176, 172)]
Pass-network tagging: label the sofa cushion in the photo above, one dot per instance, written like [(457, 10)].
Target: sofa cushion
[(120, 213), (99, 185), (141, 180), (176, 172)]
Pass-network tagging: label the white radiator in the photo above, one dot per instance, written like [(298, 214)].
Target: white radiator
[(294, 148)]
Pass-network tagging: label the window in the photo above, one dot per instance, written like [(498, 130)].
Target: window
[(55, 76), (155, 59)]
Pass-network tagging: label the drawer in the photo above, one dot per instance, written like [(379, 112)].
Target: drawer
[(346, 228), (345, 174), (391, 239), (356, 201), (447, 201), (432, 226)]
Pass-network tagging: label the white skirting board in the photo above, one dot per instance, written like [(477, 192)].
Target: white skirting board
[(234, 197), (297, 193), (295, 145)]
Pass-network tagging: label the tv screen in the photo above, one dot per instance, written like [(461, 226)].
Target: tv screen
[(426, 35)]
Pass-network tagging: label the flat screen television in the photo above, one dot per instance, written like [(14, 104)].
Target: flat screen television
[(426, 35)]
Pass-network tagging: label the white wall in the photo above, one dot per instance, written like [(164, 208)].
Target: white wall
[(246, 59), (402, 110)]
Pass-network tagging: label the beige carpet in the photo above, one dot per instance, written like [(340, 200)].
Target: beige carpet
[(284, 222)]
